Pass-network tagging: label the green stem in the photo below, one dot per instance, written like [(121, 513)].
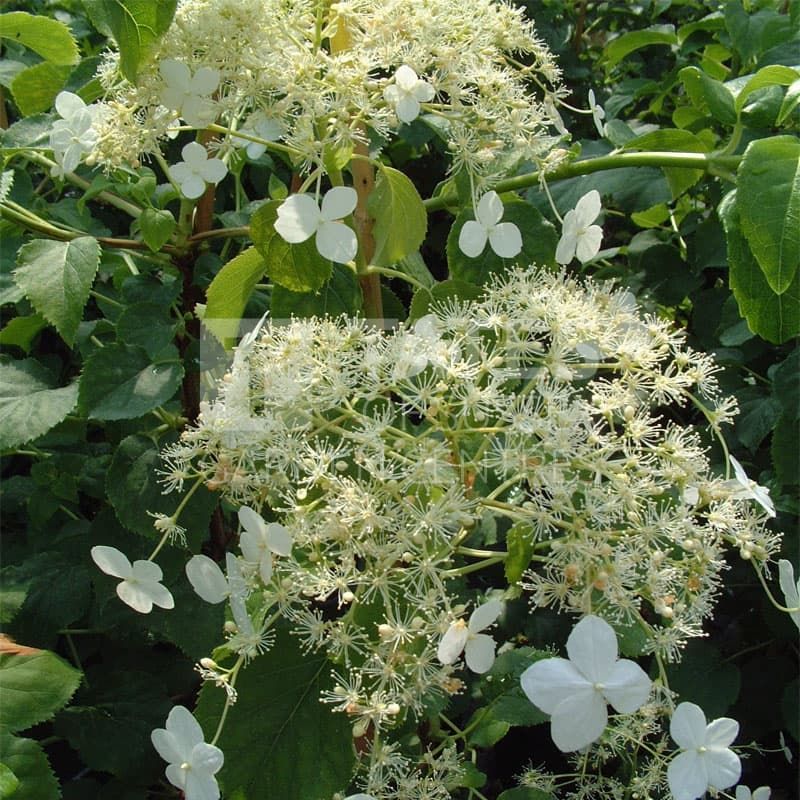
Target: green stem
[(702, 161)]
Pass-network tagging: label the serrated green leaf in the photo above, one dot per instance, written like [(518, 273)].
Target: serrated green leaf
[(774, 317), (29, 405), (790, 102), (147, 325), (8, 782), (48, 37), (539, 242), (519, 543), (26, 759), (135, 492), (156, 227), (135, 25), (768, 200), (298, 267), (487, 730), (627, 43), (6, 182), (229, 292), (703, 677), (340, 295), (34, 687), (21, 331), (120, 381), (57, 278), (773, 75), (35, 88), (400, 218), (705, 91), (309, 748)]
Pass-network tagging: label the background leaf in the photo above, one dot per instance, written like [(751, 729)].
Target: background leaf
[(49, 38), (26, 759)]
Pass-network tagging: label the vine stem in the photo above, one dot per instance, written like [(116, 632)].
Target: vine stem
[(702, 161)]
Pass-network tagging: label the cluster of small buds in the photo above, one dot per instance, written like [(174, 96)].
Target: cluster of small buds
[(368, 69)]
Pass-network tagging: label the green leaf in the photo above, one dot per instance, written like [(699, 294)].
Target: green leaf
[(34, 687), (29, 405), (400, 218), (134, 490), (773, 75), (703, 677), (120, 381), (21, 331), (147, 325), (519, 543), (790, 102), (786, 383), (626, 44), (488, 730), (308, 748), (49, 38), (705, 91), (774, 317), (298, 267), (340, 295), (26, 759), (539, 242), (136, 26), (57, 278), (8, 782), (156, 227), (768, 199), (673, 139), (35, 88), (439, 292), (415, 266), (784, 449), (229, 292)]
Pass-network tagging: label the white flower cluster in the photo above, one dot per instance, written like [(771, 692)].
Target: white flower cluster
[(320, 76)]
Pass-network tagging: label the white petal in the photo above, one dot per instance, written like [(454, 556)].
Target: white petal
[(721, 733), (484, 615), (506, 240), (176, 776), (213, 170), (688, 726), (392, 94), (194, 154), (592, 648), (452, 643), (589, 242), (724, 768), (265, 567), (185, 729), (479, 653), (738, 471), (472, 239), (762, 793), (490, 209), (175, 73), (204, 81), (743, 793), (407, 109), (627, 687), (201, 786), (68, 104), (406, 78), (565, 250), (791, 590), (298, 218), (279, 540), (71, 157), (336, 241), (578, 721), (111, 561), (588, 208), (146, 571), (135, 596), (160, 595), (207, 579), (198, 111), (252, 522), (338, 203), (207, 757), (686, 776), (192, 187), (180, 172), (423, 92), (250, 544), (167, 746), (761, 496), (549, 682)]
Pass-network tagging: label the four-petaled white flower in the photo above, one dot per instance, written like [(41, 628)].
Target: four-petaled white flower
[(192, 762), (598, 114), (790, 588), (461, 636), (261, 539), (262, 126), (706, 761), (575, 692), (747, 489), (73, 134), (503, 237), (141, 585), (578, 235), (299, 218), (189, 95), (196, 170), (407, 92), (744, 793)]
